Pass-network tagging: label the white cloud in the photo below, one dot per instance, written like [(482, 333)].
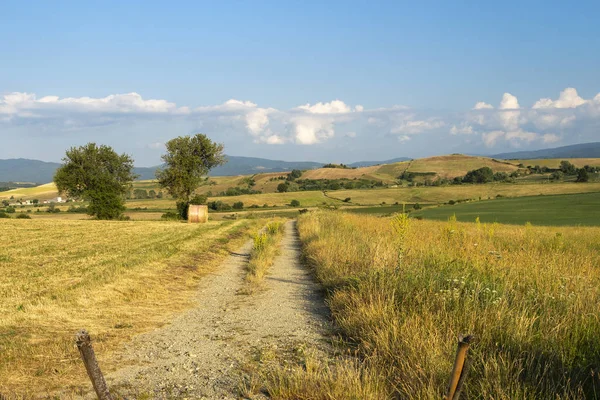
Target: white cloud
[(509, 102), (482, 106), (334, 107), (27, 105), (413, 127), (508, 124), (568, 99), (462, 129)]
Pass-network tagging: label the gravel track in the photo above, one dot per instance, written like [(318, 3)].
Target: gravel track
[(199, 354)]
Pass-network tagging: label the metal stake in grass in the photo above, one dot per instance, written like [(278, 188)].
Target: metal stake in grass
[(84, 344), (459, 371)]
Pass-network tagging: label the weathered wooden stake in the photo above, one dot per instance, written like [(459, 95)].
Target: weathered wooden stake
[(458, 369), (84, 344)]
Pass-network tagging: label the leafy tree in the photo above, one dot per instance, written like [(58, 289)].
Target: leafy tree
[(199, 199), (152, 194), (99, 175), (5, 203), (582, 175), (567, 168), (282, 187), (295, 174), (188, 160), (295, 203), (238, 205), (481, 175), (35, 201)]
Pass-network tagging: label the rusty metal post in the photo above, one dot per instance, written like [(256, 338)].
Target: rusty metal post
[(84, 344), (457, 370)]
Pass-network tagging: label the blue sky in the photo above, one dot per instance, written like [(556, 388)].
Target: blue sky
[(393, 78)]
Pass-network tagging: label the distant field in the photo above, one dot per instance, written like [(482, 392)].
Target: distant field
[(116, 279), (569, 209), (555, 162), (458, 165), (42, 192), (442, 194)]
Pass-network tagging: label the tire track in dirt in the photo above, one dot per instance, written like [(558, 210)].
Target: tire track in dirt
[(198, 355)]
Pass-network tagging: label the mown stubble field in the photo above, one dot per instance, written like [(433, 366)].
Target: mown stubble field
[(115, 279)]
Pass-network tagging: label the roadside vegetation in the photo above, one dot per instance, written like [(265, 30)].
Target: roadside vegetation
[(401, 291), (115, 279), (265, 247)]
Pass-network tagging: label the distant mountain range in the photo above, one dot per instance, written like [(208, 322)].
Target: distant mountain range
[(583, 150), (25, 170)]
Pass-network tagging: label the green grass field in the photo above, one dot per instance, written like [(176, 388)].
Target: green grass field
[(568, 209)]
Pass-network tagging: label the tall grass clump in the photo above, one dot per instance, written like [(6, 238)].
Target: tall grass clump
[(265, 248), (401, 291)]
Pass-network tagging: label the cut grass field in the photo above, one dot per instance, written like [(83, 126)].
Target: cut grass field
[(443, 194), (568, 209), (458, 165), (115, 279), (402, 290)]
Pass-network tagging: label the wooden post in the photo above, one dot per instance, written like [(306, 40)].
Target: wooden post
[(458, 369), (84, 344)]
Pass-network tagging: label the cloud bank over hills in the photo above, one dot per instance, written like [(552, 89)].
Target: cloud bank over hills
[(44, 126)]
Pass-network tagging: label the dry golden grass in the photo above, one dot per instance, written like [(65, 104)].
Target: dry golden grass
[(264, 250), (458, 165), (42, 192), (341, 173), (401, 291), (442, 194), (115, 279)]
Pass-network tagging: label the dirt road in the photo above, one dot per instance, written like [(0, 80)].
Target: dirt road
[(199, 354)]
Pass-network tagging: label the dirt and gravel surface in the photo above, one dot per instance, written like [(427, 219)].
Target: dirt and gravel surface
[(199, 354)]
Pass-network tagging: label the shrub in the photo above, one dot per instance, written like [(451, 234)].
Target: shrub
[(282, 187), (347, 200), (10, 210), (303, 211), (23, 216), (171, 216), (4, 215), (582, 175), (417, 206), (238, 205), (295, 203), (452, 202)]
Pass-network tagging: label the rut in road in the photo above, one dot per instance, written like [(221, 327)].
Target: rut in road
[(199, 354)]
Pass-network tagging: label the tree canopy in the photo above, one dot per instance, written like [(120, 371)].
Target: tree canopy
[(188, 160), (99, 175)]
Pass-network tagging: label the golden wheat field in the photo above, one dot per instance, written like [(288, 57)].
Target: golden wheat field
[(401, 291), (115, 279)]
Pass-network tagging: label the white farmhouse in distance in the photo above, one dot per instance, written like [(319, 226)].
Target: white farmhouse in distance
[(54, 200)]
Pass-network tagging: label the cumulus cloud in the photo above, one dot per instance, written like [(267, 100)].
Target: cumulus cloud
[(482, 106), (568, 99), (546, 121), (507, 123), (334, 107), (28, 105)]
